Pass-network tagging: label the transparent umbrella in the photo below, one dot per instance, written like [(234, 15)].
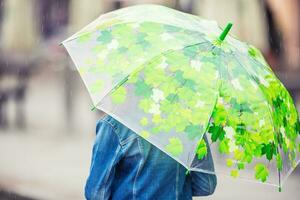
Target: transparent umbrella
[(172, 77)]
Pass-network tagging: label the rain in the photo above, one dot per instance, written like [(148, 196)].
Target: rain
[(47, 120)]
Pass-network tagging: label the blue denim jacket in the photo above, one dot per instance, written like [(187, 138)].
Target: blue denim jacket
[(125, 166)]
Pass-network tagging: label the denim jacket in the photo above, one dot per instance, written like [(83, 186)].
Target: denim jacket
[(125, 166)]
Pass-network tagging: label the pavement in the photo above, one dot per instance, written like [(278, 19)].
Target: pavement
[(42, 167)]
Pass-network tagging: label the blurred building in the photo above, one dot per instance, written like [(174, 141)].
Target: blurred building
[(19, 28), (19, 42), (247, 17), (83, 13)]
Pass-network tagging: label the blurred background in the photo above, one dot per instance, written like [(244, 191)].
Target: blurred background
[(46, 123)]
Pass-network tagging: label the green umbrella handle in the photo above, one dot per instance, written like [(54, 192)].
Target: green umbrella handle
[(225, 32)]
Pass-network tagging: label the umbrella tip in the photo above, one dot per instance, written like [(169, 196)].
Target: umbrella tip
[(225, 32)]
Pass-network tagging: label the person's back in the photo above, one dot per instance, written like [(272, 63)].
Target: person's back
[(125, 166)]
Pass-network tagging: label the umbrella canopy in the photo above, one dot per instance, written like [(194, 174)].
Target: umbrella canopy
[(172, 77)]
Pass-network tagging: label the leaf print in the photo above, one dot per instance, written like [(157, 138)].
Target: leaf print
[(157, 95), (193, 131), (175, 75), (217, 132), (234, 173), (85, 37), (174, 147), (144, 121), (201, 149), (105, 37), (166, 36), (97, 86), (224, 146), (196, 64), (119, 95), (237, 85), (154, 109), (145, 105), (279, 162), (145, 134), (142, 89), (229, 162), (261, 172), (114, 44)]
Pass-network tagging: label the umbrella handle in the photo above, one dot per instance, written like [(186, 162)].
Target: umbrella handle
[(225, 31)]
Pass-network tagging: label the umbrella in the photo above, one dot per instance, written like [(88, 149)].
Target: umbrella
[(172, 77)]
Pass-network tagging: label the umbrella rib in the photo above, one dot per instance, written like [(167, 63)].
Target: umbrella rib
[(213, 108)]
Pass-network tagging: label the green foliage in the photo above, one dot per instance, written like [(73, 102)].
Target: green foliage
[(193, 131), (234, 173), (261, 172), (217, 132), (220, 115), (269, 150), (175, 147), (201, 149), (105, 37), (241, 107), (119, 95), (252, 51), (239, 155), (145, 104), (224, 146), (97, 86), (241, 165), (85, 37), (142, 89), (229, 162), (145, 134), (241, 128), (173, 97), (144, 121), (279, 162), (170, 28), (141, 40)]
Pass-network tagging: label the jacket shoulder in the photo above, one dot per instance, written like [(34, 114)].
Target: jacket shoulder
[(125, 134)]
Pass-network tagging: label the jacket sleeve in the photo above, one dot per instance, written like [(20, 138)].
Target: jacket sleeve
[(204, 184), (105, 156)]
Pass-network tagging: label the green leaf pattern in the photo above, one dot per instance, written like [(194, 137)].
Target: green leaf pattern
[(189, 85)]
